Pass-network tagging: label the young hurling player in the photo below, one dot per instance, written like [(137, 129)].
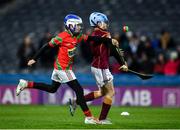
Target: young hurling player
[(100, 66)]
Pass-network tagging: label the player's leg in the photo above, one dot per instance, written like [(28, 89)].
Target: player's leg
[(74, 84), (51, 88), (76, 87), (107, 100), (98, 75), (46, 87), (67, 76), (56, 82), (93, 95), (117, 53)]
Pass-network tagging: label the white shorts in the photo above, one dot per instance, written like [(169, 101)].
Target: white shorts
[(102, 76), (63, 76)]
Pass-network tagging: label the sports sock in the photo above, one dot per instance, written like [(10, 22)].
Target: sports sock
[(89, 97), (93, 95), (105, 108), (30, 84), (87, 113)]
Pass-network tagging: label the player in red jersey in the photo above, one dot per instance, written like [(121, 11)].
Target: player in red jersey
[(100, 65), (62, 73)]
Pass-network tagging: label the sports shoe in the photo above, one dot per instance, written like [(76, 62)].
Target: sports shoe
[(105, 122), (72, 106), (91, 120), (21, 86)]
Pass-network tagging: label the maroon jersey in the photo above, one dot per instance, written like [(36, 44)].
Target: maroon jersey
[(100, 52)]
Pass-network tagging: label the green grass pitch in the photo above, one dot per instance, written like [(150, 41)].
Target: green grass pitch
[(53, 117)]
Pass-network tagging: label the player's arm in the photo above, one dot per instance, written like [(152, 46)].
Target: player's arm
[(99, 40), (119, 56), (54, 42), (39, 53), (113, 44), (104, 40)]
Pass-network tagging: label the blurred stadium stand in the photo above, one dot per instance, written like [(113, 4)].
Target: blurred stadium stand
[(34, 17)]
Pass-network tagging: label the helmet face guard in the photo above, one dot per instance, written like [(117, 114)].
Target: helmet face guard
[(74, 24), (78, 28)]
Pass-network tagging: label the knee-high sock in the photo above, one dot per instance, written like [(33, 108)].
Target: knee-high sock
[(105, 108), (91, 96)]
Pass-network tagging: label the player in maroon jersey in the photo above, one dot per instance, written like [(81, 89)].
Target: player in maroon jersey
[(100, 65)]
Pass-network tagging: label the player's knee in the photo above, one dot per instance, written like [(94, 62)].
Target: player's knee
[(80, 96), (53, 89), (111, 93), (80, 99)]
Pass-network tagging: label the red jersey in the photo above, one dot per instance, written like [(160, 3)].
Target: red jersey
[(100, 52), (67, 47)]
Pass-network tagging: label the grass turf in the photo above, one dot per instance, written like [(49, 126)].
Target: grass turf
[(53, 117)]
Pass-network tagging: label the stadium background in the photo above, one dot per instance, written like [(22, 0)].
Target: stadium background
[(151, 46)]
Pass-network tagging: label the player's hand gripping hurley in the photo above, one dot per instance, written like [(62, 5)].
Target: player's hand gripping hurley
[(125, 68)]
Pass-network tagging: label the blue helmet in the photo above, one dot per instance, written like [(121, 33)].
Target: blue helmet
[(73, 23), (96, 17)]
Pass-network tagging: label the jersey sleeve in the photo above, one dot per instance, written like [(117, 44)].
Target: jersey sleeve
[(56, 41)]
